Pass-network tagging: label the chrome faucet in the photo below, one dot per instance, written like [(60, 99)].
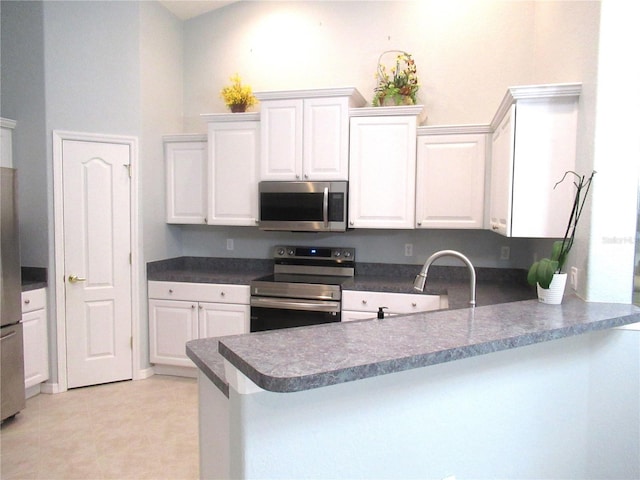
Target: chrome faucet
[(421, 278)]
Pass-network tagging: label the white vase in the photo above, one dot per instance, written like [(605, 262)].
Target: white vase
[(553, 294)]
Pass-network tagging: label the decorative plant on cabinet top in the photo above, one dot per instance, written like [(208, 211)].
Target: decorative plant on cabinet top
[(402, 86), (238, 97)]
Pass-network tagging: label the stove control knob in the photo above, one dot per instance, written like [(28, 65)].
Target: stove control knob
[(347, 254), (291, 252), (337, 254), (280, 251)]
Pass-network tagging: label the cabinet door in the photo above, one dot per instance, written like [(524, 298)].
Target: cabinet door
[(36, 348), (450, 181), (186, 164), (382, 164), (171, 325), (394, 303), (220, 319), (326, 139), (502, 151), (353, 315), (544, 149), (233, 179), (281, 139)]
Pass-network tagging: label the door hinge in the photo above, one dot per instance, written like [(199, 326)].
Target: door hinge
[(131, 342), (130, 260), (128, 165)]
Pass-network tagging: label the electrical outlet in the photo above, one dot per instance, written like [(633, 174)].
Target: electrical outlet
[(505, 252), (229, 243), (573, 278), (408, 249)]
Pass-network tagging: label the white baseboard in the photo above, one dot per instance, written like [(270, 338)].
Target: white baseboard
[(51, 388), (143, 373), (32, 391), (191, 372)]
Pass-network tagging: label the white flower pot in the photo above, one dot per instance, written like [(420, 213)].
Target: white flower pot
[(553, 294)]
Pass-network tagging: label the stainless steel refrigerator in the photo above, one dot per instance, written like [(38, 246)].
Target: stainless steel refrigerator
[(12, 393)]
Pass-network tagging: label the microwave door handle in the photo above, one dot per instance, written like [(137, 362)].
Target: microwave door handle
[(325, 207)]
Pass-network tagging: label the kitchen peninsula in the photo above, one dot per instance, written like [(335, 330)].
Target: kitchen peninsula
[(515, 390)]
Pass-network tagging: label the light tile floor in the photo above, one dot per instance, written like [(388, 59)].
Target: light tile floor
[(145, 429)]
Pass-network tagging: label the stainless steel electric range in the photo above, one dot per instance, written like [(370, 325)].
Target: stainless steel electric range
[(305, 288)]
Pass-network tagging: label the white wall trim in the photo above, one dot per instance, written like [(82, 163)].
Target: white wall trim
[(61, 321)]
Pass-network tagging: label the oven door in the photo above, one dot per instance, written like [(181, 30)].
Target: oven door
[(269, 313)]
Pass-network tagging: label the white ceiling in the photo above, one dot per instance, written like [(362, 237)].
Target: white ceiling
[(186, 9)]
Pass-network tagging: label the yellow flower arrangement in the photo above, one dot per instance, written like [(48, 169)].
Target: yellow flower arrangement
[(236, 96)]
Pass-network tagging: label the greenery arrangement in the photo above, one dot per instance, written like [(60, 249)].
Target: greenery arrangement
[(236, 96), (400, 85), (542, 271)]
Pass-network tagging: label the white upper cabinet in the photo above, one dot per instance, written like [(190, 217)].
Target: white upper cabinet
[(305, 133), (186, 178), (533, 145), (234, 144), (450, 177), (382, 167)]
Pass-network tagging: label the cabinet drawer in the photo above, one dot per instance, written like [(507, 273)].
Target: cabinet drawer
[(200, 292), (395, 302), (33, 300)]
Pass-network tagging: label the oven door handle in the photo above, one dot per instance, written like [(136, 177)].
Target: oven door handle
[(289, 304), (325, 207)]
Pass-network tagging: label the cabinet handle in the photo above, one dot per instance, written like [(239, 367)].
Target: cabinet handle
[(414, 304), (171, 290), (364, 302), (306, 176), (419, 224), (297, 177), (27, 301), (222, 294), (193, 306), (351, 222), (200, 307)]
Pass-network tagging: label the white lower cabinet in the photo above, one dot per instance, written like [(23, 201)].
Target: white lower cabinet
[(358, 305), (36, 347), (181, 311)]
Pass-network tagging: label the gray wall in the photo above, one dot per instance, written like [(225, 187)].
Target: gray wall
[(23, 99)]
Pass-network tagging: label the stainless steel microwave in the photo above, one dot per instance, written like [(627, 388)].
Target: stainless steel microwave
[(303, 206)]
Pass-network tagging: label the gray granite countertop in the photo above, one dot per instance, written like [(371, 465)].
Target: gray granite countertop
[(298, 359), (494, 285)]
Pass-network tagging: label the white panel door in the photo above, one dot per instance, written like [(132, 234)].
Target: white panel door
[(233, 173), (326, 139), (97, 249), (382, 172), (450, 181), (502, 174), (281, 139), (220, 319), (186, 182), (172, 323)]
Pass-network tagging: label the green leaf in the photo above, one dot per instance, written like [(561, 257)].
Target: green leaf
[(545, 271), (556, 250)]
